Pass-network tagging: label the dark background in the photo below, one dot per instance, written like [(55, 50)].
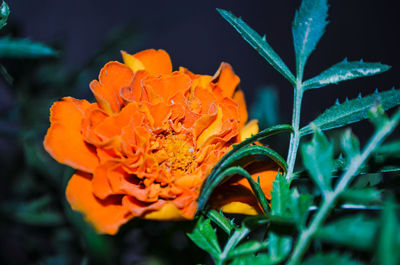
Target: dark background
[(197, 37), (89, 33)]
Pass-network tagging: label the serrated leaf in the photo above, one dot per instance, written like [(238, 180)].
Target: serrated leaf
[(308, 27), (353, 110), (279, 246), (219, 219), (4, 13), (300, 204), (280, 197), (318, 160), (343, 71), (249, 247), (361, 196), (229, 158), (331, 259), (355, 231), (258, 43), (205, 237), (221, 171), (350, 145), (24, 48), (388, 239)]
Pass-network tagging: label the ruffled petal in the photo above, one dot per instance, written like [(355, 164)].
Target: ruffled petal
[(64, 140), (113, 77), (226, 79), (238, 97), (105, 215), (153, 61)]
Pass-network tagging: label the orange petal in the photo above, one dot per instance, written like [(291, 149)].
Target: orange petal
[(167, 86), (213, 130), (153, 61), (105, 215), (160, 112), (113, 77), (64, 140), (168, 212), (226, 79), (248, 130), (238, 97)]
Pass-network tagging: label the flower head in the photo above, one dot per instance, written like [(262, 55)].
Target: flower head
[(146, 146)]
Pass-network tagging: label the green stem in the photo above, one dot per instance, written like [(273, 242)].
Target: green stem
[(331, 198), (295, 136), (235, 239)]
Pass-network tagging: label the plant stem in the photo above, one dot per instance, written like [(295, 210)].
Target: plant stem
[(331, 197), (295, 136), (236, 237)]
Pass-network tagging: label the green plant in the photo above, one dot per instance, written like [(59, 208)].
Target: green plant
[(301, 212)]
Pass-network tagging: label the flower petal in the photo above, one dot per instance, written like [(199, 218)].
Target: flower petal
[(105, 215), (113, 77), (64, 140), (153, 61), (226, 79), (238, 97), (167, 86), (168, 212), (248, 130)]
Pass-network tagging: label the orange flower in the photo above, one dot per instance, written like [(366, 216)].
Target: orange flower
[(146, 146)]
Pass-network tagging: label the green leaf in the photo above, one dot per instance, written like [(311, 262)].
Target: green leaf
[(318, 160), (388, 150), (367, 180), (308, 28), (343, 71), (255, 221), (259, 43), (219, 219), (220, 173), (361, 196), (280, 201), (205, 238), (353, 110), (350, 145), (300, 204), (388, 243), (331, 259), (355, 231), (279, 246), (4, 13), (260, 259), (24, 48), (248, 248)]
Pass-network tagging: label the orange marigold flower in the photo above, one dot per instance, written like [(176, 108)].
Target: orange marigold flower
[(146, 146)]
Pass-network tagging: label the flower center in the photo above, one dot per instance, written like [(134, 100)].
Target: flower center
[(176, 151)]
